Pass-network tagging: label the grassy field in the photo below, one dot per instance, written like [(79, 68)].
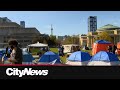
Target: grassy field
[(89, 51), (54, 50)]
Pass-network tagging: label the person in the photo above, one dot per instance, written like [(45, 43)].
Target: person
[(7, 52), (59, 50), (78, 49), (114, 48), (62, 51), (109, 48), (16, 56)]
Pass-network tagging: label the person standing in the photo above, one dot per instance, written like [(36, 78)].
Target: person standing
[(16, 56), (114, 48), (62, 50), (109, 48)]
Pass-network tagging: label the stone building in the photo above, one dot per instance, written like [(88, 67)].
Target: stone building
[(113, 31), (24, 35), (83, 39)]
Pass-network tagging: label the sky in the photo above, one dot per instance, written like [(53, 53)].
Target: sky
[(64, 22)]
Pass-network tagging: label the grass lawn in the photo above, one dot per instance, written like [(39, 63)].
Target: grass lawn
[(34, 51), (54, 50), (89, 51)]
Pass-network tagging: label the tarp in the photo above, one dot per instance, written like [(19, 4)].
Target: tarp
[(27, 57), (38, 45), (100, 45), (104, 58), (49, 57)]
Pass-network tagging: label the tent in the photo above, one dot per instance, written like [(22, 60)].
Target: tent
[(100, 45), (38, 45), (49, 57), (104, 58), (2, 52), (78, 58), (71, 48), (27, 57)]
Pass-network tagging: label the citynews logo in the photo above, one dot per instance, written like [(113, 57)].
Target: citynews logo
[(26, 71)]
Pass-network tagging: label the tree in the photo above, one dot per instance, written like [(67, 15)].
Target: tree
[(68, 40), (104, 36), (71, 40), (52, 41)]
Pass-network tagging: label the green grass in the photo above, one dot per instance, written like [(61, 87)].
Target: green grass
[(34, 51), (63, 59), (54, 50), (89, 51)]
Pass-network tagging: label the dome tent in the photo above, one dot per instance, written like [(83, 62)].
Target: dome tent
[(102, 42), (104, 58), (27, 57), (78, 58), (100, 45), (49, 57)]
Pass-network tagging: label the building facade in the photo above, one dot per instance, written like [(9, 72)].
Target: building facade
[(83, 40), (113, 31), (12, 30), (92, 23)]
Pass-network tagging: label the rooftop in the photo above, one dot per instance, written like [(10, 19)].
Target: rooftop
[(108, 27)]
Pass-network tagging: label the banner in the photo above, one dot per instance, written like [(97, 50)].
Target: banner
[(58, 72)]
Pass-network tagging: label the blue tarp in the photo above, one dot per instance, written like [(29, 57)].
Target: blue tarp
[(27, 57), (49, 57), (102, 42), (79, 56), (104, 56)]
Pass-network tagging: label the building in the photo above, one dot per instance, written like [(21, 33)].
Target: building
[(113, 31), (92, 24), (61, 38), (12, 30), (83, 39)]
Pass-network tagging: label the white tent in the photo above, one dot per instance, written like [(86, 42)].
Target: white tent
[(70, 48), (38, 45)]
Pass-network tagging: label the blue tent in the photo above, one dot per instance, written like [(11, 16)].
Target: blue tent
[(2, 52), (27, 57), (104, 56), (49, 57), (79, 56), (102, 42)]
